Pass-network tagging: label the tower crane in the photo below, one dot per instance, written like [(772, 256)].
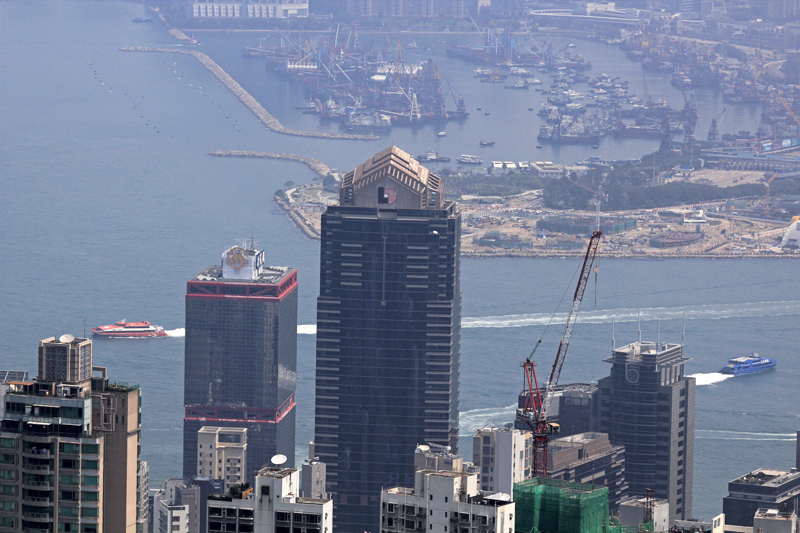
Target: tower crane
[(713, 131), (766, 197), (537, 402)]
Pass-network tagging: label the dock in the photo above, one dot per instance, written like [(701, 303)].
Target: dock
[(251, 103)]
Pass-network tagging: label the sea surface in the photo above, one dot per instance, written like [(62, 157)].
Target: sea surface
[(110, 204)]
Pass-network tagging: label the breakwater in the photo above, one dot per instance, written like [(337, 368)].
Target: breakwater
[(314, 164), (302, 224), (251, 103)]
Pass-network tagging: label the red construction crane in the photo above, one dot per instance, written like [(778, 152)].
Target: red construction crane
[(537, 404)]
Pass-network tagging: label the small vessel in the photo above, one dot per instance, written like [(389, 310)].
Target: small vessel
[(486, 143), (145, 19), (431, 156), (442, 134), (747, 365), (129, 329), (487, 113), (538, 146), (469, 159)]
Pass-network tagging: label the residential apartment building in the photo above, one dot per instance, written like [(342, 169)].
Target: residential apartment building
[(504, 457), (272, 505), (442, 502), (222, 454), (69, 446), (258, 9)]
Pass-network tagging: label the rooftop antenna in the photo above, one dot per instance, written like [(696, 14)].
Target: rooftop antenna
[(683, 337), (613, 341), (658, 336), (640, 324)]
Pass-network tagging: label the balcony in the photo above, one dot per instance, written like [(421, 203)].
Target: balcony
[(36, 500), (36, 469), (36, 453), (36, 485), (37, 517)]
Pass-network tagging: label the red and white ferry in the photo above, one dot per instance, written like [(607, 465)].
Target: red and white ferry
[(129, 329)]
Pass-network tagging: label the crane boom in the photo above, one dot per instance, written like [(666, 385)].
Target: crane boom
[(536, 404)]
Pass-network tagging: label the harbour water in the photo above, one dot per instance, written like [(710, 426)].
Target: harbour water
[(110, 203)]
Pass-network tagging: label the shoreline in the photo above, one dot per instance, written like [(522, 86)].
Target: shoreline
[(251, 103), (320, 168)]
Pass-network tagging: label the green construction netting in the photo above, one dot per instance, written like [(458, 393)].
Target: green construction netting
[(554, 506), (614, 526)]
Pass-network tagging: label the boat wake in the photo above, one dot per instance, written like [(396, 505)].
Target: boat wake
[(714, 434), (710, 378), (471, 420), (604, 316), (180, 332)]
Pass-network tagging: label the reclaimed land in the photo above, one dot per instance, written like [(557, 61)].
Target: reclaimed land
[(252, 104), (314, 164), (299, 220)]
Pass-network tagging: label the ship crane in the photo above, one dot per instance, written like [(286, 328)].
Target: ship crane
[(537, 403), (713, 132)]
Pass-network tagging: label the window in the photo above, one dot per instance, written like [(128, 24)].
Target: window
[(68, 511), (67, 447), (8, 490), (90, 496), (89, 465), (8, 506), (89, 480), (7, 458), (89, 512), (8, 443), (69, 480)]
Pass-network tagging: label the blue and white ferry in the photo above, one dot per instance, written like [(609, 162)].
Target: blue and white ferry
[(748, 365)]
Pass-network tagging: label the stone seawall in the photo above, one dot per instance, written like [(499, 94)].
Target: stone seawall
[(252, 104), (298, 220), (314, 164)]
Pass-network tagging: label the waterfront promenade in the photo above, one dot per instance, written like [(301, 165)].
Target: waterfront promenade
[(251, 103)]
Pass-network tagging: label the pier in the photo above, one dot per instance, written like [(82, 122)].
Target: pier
[(314, 164), (252, 104)]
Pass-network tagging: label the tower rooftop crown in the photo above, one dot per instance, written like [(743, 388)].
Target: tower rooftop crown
[(394, 180)]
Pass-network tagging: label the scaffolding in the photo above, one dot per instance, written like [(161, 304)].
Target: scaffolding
[(553, 506)]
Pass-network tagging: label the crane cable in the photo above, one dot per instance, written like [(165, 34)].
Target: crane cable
[(539, 342)]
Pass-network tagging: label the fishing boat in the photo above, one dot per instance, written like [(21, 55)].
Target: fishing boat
[(750, 364)]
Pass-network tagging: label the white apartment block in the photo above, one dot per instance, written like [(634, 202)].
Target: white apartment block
[(504, 457), (170, 513), (445, 502), (252, 9), (272, 506), (222, 454)]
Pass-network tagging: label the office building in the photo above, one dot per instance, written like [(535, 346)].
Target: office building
[(647, 405), (442, 500), (222, 454), (504, 457), (69, 446), (589, 458), (771, 489), (272, 505), (574, 407), (774, 521), (241, 356), (388, 331), (143, 498), (256, 9)]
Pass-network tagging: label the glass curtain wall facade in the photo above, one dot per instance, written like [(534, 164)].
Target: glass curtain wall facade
[(647, 404), (241, 364), (388, 338)]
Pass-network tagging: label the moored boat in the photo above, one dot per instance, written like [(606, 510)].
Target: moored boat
[(469, 159), (129, 329)]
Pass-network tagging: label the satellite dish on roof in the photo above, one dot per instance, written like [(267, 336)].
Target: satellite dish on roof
[(66, 338), (278, 460)]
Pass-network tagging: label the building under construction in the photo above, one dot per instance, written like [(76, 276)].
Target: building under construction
[(553, 506)]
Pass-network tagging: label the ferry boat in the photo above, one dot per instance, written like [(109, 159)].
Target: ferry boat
[(129, 329), (748, 365)]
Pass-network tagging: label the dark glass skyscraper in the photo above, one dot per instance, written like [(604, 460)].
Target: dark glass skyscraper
[(647, 405), (241, 356), (388, 332)]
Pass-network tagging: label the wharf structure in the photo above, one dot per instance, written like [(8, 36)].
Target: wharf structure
[(388, 331), (647, 404), (69, 446), (241, 357)]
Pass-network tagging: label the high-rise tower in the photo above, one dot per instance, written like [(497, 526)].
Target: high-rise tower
[(388, 332), (647, 405), (241, 356)]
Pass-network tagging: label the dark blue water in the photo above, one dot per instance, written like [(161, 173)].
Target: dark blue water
[(109, 204)]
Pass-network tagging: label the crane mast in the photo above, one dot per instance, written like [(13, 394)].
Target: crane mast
[(537, 404)]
